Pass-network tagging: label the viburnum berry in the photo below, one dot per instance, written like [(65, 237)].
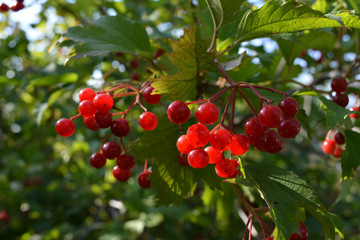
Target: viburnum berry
[(220, 139), (86, 94), (4, 216), (111, 150), (239, 145), (198, 158), (339, 138), (273, 143), (103, 102), (214, 154), (182, 159), (341, 99), (91, 123), (97, 160), (65, 127), (104, 120), (339, 84), (289, 128), (121, 175), (183, 144), (289, 106), (337, 152), (254, 129), (143, 180), (270, 116), (295, 236), (237, 171), (207, 113), (148, 121), (303, 230), (86, 108), (134, 63), (18, 6), (354, 115), (224, 168), (178, 112), (120, 127), (4, 7), (328, 146), (198, 135), (135, 76), (125, 161), (149, 97)]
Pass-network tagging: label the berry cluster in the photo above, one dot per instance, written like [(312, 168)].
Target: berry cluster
[(260, 132), (338, 86), (95, 108), (303, 233), (333, 143), (18, 6)]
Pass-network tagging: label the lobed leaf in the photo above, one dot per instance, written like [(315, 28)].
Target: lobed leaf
[(350, 159)]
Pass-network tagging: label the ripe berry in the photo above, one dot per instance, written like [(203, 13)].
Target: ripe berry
[(18, 6), (254, 129), (178, 112), (214, 154), (125, 161), (4, 7), (328, 146), (135, 76), (121, 174), (207, 113), (337, 152), (149, 97), (354, 115), (158, 53), (225, 168), (240, 144), (341, 99), (183, 144), (91, 123), (103, 102), (295, 236), (237, 171), (120, 127), (143, 180), (270, 116), (134, 63), (220, 139), (289, 106), (148, 121), (273, 143), (289, 128), (104, 120), (198, 158), (198, 135), (65, 127), (97, 160), (182, 159), (303, 230), (111, 150), (86, 108), (339, 84), (4, 216), (339, 138), (86, 94)]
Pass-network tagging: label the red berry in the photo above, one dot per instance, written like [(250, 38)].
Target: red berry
[(183, 144), (273, 143), (18, 6), (148, 121), (289, 106), (104, 120), (254, 129), (149, 97), (207, 113), (289, 128), (97, 160), (125, 161), (237, 171), (225, 168), (214, 154), (4, 216), (328, 146), (270, 116), (91, 123), (295, 236), (86, 108), (4, 7), (198, 135), (135, 76), (220, 139), (86, 94), (240, 144), (339, 84), (65, 127), (354, 115), (103, 102), (111, 150), (182, 159), (198, 158), (159, 52), (303, 231), (337, 152), (120, 127), (341, 99), (339, 138), (143, 180), (178, 112), (121, 174), (134, 63)]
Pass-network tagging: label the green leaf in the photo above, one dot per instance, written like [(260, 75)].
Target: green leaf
[(350, 158), (345, 190), (54, 79), (230, 65), (335, 114), (190, 56), (285, 193), (304, 120), (108, 34)]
